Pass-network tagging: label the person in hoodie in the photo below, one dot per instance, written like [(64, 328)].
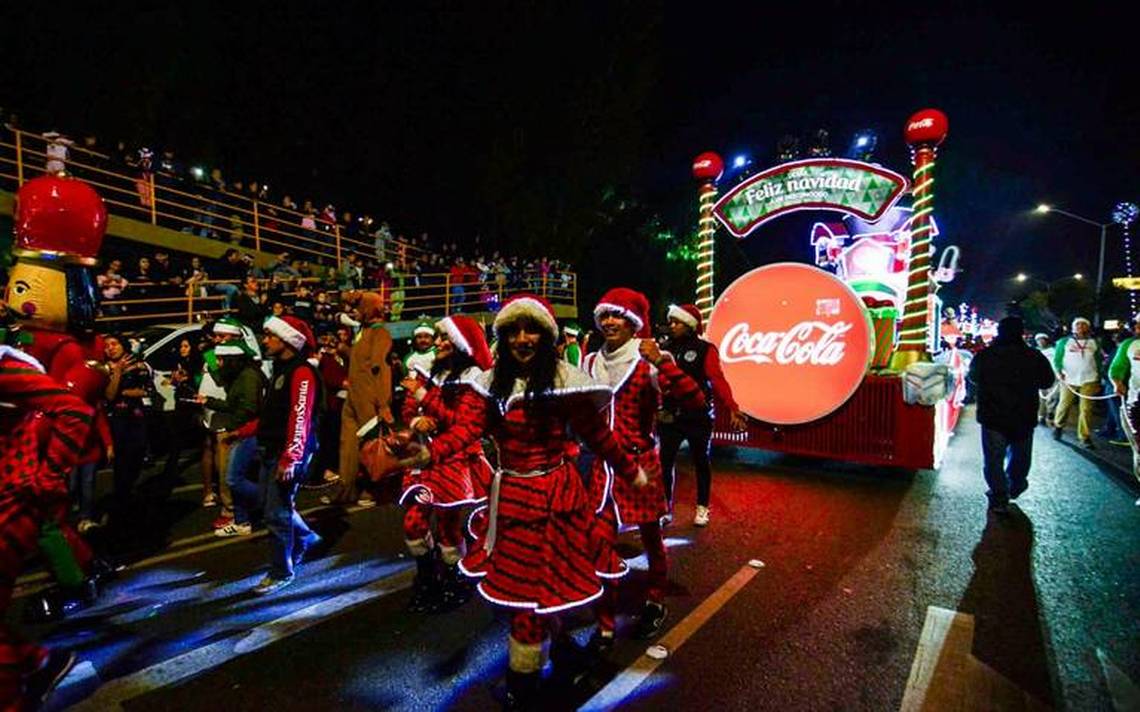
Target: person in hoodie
[(1008, 376), (235, 422)]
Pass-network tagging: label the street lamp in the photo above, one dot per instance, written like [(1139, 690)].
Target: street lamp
[(1044, 208)]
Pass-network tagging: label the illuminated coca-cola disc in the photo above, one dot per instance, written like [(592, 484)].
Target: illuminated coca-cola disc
[(794, 342)]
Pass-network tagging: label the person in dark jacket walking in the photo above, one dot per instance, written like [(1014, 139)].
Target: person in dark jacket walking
[(1008, 376)]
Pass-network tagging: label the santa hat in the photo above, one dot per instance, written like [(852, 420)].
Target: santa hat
[(233, 348), (571, 329), (423, 328), (1079, 320), (631, 304), (466, 334), (687, 314), (228, 325), (292, 331), (527, 305)]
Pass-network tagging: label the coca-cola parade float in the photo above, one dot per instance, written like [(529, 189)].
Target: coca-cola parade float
[(841, 359)]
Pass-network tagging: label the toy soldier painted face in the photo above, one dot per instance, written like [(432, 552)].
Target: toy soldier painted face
[(59, 226), (35, 294)]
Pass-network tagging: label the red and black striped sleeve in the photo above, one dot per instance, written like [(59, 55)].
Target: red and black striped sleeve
[(70, 419), (677, 384), (410, 408), (591, 426), (466, 428)]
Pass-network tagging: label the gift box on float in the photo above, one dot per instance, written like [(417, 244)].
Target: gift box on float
[(884, 316)]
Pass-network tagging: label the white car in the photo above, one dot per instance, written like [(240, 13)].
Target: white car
[(160, 350)]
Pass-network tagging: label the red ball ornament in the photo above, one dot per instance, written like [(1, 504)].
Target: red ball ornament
[(928, 126), (708, 167), (59, 216)]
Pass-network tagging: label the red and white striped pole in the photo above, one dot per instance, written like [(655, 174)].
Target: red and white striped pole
[(707, 169), (924, 132)]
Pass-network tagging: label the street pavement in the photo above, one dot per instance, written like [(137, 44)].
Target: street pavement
[(847, 562)]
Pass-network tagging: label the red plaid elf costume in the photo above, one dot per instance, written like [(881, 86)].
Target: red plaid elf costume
[(538, 557), (623, 364), (42, 431), (433, 406)]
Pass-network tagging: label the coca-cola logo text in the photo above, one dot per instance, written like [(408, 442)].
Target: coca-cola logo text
[(814, 342), (794, 342)]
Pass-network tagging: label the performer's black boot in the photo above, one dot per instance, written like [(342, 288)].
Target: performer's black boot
[(456, 588), (522, 690), (425, 587)]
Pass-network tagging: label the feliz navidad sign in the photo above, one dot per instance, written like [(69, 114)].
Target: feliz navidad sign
[(853, 187)]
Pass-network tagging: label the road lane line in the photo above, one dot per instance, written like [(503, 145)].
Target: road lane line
[(117, 691), (629, 679), (27, 585), (945, 675)]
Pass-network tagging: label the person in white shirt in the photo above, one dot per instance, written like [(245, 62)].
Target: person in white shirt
[(1076, 359), (57, 152)]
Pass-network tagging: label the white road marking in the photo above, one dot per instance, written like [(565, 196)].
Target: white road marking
[(117, 691), (629, 679), (1125, 694), (946, 676), (34, 583)]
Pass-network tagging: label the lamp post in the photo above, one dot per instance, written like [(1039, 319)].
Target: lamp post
[(1043, 208)]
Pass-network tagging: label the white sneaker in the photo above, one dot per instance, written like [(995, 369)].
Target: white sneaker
[(701, 519), (233, 529), (86, 525)]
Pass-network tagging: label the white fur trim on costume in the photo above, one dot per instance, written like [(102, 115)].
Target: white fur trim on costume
[(280, 328), (624, 570), (9, 352), (534, 606), (526, 307), (452, 329), (604, 307), (423, 329), (676, 312), (363, 429), (568, 381), (469, 573), (224, 328)]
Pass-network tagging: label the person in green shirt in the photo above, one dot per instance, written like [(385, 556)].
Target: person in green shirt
[(1126, 378), (571, 349)]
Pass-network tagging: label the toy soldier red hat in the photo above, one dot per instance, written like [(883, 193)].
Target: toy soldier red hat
[(59, 219)]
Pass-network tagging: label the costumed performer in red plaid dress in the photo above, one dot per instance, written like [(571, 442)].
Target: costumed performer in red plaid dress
[(537, 557), (436, 397), (639, 373)]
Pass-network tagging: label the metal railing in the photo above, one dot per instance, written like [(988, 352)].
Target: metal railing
[(428, 296), (244, 222)]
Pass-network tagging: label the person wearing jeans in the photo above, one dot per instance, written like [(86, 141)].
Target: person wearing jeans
[(286, 440), (235, 421), (1008, 375)]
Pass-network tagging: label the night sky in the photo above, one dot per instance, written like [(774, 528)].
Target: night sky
[(516, 122)]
